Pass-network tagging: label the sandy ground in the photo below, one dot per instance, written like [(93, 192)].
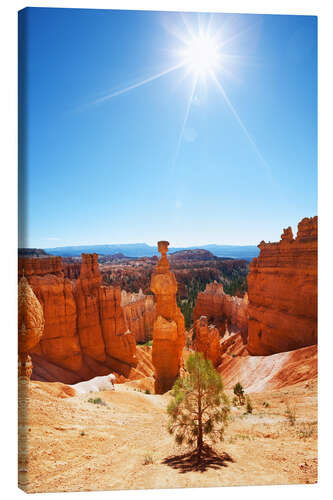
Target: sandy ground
[(77, 445)]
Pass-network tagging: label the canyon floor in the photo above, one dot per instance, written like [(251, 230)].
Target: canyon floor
[(77, 445)]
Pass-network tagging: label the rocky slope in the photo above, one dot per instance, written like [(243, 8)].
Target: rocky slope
[(85, 329), (282, 286), (47, 371), (265, 373)]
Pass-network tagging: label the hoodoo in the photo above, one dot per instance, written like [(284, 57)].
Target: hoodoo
[(169, 327), (206, 339), (30, 326), (222, 310), (282, 286)]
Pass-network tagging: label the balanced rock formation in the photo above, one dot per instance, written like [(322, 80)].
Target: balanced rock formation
[(206, 339), (169, 327), (30, 326), (140, 314), (282, 286), (223, 310), (85, 331)]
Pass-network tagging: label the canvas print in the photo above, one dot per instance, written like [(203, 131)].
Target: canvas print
[(167, 277)]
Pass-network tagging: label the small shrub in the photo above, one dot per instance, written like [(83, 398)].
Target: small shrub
[(82, 433), (97, 401), (265, 404), (147, 391), (249, 406), (305, 430), (148, 459), (243, 437), (233, 355), (234, 401), (239, 392), (290, 414)]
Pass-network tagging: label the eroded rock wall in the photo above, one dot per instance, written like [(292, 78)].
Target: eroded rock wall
[(282, 286), (60, 343), (222, 310), (84, 321), (140, 314)]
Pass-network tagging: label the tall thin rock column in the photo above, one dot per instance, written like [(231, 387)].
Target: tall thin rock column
[(169, 327), (30, 331)]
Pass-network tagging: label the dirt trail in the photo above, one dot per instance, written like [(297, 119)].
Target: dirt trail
[(76, 445)]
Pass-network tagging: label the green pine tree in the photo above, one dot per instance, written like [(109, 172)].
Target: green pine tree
[(199, 408), (239, 392)]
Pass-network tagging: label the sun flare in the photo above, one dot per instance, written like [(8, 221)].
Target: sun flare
[(201, 55)]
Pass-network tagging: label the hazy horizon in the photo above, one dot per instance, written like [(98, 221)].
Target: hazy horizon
[(146, 244), (276, 237), (124, 140)]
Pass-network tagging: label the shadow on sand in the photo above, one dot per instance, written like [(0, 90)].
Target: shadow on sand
[(189, 462)]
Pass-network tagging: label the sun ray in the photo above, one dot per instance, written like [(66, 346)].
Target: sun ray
[(188, 26), (187, 112), (181, 33), (210, 22), (240, 122), (223, 43), (136, 85), (185, 74)]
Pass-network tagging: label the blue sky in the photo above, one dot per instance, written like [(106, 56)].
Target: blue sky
[(125, 169)]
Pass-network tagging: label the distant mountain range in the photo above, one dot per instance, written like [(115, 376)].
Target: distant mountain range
[(247, 252)]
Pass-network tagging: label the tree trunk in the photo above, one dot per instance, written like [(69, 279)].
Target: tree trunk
[(199, 441)]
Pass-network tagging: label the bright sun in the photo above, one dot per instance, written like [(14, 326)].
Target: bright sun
[(201, 55)]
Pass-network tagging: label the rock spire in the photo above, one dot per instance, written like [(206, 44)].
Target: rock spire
[(169, 327)]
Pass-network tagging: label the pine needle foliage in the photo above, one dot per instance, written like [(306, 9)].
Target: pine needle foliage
[(199, 409), (239, 392)]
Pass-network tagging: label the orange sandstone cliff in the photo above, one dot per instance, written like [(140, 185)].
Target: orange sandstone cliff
[(60, 343), (85, 333), (282, 289), (140, 314), (222, 310), (169, 327)]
